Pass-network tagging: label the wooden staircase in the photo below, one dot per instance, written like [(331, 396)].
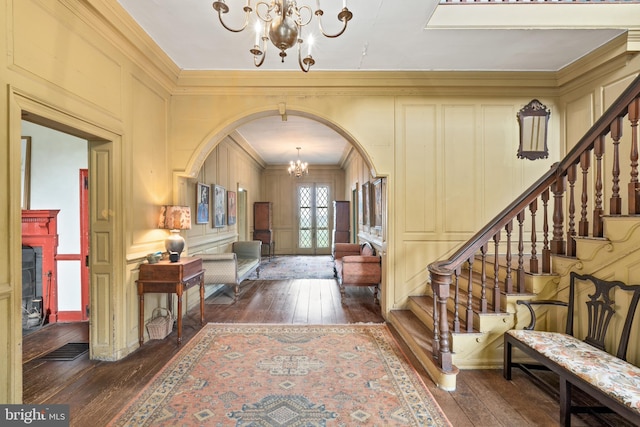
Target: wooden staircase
[(476, 289), (482, 346), (478, 347)]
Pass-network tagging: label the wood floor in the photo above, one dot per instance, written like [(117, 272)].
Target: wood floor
[(96, 391)]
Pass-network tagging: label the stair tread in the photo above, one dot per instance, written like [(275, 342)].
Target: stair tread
[(502, 263), (417, 330), (425, 302)]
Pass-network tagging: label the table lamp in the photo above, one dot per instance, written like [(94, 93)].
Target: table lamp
[(175, 218)]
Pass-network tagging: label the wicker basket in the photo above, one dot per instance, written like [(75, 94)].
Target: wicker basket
[(160, 325)]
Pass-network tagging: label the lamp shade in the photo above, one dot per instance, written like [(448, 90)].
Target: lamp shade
[(175, 217)]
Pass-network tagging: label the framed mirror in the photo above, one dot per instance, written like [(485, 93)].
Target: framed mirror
[(533, 119)]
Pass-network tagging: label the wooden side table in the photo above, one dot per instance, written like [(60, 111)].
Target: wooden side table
[(171, 278)]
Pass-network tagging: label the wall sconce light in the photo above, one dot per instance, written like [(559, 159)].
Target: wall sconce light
[(533, 119), (175, 218)]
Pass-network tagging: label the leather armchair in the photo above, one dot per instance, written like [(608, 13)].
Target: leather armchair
[(357, 265)]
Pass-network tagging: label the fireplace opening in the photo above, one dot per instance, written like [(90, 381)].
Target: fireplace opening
[(32, 308)]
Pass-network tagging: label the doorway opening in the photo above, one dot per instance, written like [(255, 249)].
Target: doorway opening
[(97, 151), (55, 183)]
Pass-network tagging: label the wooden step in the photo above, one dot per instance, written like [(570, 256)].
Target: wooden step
[(422, 308), (420, 340)]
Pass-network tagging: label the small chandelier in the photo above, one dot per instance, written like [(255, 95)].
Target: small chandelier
[(283, 21), (298, 168)]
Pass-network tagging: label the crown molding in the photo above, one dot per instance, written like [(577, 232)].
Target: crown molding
[(463, 83), (244, 145), (607, 59)]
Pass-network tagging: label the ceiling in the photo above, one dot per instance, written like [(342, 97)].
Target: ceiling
[(384, 35)]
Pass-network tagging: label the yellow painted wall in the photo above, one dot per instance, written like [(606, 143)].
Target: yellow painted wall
[(446, 145)]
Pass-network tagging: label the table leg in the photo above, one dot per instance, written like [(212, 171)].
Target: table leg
[(141, 319), (179, 292), (202, 299)]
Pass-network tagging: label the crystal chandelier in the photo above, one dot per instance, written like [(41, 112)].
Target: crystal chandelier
[(298, 168), (281, 21)]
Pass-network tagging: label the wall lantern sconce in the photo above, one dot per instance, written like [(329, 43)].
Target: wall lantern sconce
[(533, 119)]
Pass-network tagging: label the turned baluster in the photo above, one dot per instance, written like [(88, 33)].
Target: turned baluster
[(533, 261), (456, 301), (583, 225), (572, 173), (598, 151), (615, 206), (557, 241), (470, 296), (520, 272), (496, 273), (634, 186), (508, 281), (546, 252), (483, 278)]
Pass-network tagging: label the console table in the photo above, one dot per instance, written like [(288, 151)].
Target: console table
[(170, 278)]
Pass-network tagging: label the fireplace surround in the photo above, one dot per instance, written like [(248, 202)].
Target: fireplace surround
[(40, 233)]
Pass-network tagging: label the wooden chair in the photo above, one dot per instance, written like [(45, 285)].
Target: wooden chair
[(585, 363)]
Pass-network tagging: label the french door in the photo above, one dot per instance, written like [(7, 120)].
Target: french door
[(314, 237)]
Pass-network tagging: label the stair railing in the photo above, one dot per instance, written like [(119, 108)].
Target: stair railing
[(524, 211)]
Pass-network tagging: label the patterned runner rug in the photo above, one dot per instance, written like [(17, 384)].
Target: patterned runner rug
[(284, 267), (286, 375)]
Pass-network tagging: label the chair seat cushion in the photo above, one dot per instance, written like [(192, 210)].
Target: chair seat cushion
[(246, 265), (615, 377), (361, 273)]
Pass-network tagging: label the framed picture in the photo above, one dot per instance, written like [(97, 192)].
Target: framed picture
[(202, 200), (376, 204), (231, 207), (366, 204), (25, 169), (219, 206), (356, 215), (360, 211)]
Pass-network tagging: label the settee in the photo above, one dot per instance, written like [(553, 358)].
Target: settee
[(357, 265), (232, 268)]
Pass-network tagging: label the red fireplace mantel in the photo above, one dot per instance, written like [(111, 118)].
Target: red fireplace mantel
[(40, 229)]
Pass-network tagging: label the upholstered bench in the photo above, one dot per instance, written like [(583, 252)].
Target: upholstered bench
[(584, 363), (233, 268)]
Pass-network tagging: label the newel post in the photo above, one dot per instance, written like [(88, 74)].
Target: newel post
[(440, 282)]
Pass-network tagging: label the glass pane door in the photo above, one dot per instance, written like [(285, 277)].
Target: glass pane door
[(313, 219)]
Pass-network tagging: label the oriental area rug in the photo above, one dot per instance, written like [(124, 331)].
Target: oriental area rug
[(286, 375), (285, 267)]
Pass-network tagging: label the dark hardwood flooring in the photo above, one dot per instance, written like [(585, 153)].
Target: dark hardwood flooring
[(96, 391)]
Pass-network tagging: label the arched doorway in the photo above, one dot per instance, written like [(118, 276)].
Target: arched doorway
[(357, 169)]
